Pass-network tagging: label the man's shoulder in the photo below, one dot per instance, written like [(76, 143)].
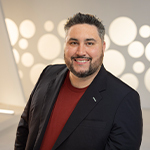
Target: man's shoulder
[(117, 90), (54, 68), (117, 84)]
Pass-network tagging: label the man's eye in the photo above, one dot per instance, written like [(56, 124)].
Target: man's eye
[(89, 43), (73, 43)]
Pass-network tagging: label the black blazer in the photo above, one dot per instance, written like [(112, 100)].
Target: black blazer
[(107, 117)]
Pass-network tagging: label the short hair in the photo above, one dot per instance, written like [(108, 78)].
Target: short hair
[(80, 18)]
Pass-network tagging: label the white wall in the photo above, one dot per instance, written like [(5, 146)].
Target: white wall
[(39, 37)]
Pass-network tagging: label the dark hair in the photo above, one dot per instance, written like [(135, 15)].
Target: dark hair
[(80, 18)]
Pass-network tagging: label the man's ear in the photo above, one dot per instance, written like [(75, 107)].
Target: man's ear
[(104, 46)]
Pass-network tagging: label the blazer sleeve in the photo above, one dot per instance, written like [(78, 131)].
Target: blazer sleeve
[(126, 133), (23, 126)]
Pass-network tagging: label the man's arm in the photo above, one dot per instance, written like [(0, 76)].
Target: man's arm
[(126, 133), (23, 126), (22, 130)]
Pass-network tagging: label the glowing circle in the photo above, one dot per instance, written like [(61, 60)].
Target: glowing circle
[(114, 62), (138, 67), (27, 28), (60, 28), (35, 72), (107, 40), (122, 31), (49, 26), (12, 31), (58, 61), (16, 55), (20, 74), (131, 80), (147, 79), (23, 43), (144, 31), (136, 49), (27, 59), (147, 51), (49, 46)]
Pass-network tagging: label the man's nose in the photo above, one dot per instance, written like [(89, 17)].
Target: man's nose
[(81, 50)]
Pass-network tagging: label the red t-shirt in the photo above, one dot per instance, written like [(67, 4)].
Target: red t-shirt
[(66, 102)]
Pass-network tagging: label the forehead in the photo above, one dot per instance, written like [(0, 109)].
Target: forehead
[(83, 30)]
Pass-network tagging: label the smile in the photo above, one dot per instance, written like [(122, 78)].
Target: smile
[(81, 61)]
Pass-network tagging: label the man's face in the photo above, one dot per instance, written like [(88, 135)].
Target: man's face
[(84, 50)]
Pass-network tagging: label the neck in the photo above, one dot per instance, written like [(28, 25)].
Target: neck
[(82, 82)]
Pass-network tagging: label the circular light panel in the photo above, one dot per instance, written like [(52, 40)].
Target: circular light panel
[(147, 51), (136, 49), (49, 26), (122, 31), (27, 29), (131, 80), (16, 55), (12, 31), (60, 28), (138, 67), (144, 31), (27, 59), (114, 62), (58, 61), (23, 43), (49, 46)]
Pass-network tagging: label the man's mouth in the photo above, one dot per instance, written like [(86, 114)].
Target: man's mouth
[(81, 59)]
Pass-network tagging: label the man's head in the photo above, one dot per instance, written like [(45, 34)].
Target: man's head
[(84, 45), (86, 19)]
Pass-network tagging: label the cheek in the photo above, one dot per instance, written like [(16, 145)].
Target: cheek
[(66, 50), (95, 53), (69, 51)]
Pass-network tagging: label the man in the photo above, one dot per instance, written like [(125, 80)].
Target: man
[(81, 106)]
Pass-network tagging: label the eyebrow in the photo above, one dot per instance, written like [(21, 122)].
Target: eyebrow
[(90, 39), (73, 39)]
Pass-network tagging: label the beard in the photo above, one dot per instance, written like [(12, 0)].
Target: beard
[(93, 67)]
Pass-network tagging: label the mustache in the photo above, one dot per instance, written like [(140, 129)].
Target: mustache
[(89, 58)]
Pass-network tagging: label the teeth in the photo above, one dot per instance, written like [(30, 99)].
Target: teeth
[(81, 61)]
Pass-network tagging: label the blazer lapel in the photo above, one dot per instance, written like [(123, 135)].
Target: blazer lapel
[(89, 100)]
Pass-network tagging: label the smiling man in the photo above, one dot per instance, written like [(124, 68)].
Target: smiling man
[(80, 105), (84, 51)]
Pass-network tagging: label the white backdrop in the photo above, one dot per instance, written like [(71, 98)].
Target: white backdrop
[(36, 33)]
